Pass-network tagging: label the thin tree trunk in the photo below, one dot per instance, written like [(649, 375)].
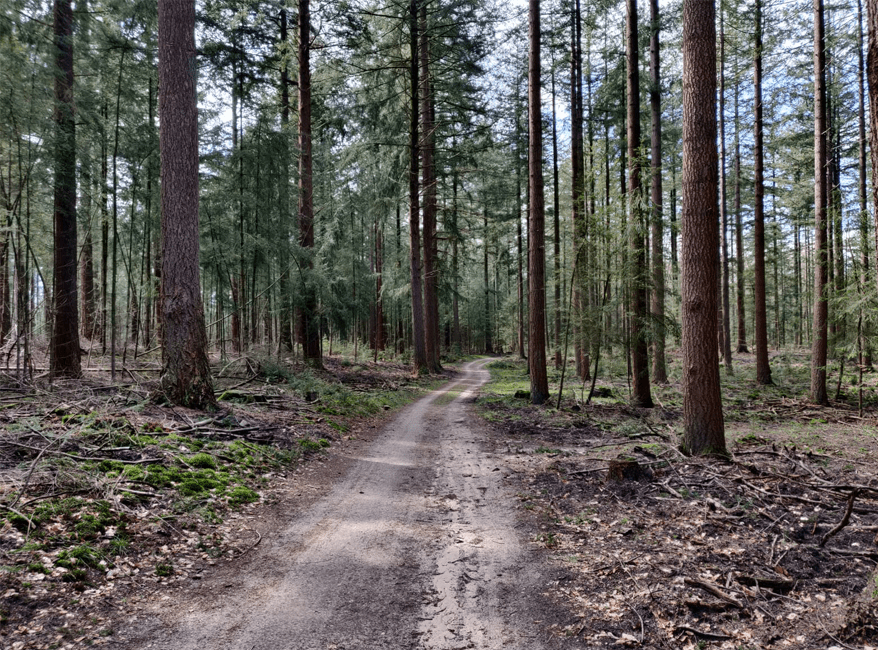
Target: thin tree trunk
[(64, 351), (739, 237), (522, 353), (309, 319), (763, 369), (819, 346), (723, 205), (431, 262), (872, 77), (640, 395), (420, 352), (866, 359), (659, 365), (577, 184), (113, 278), (285, 335), (539, 382), (556, 215)]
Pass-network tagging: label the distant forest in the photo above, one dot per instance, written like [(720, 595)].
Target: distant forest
[(431, 178)]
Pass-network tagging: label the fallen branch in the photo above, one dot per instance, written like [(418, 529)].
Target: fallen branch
[(142, 461), (844, 520), (715, 590)]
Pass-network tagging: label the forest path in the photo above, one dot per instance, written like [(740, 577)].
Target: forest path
[(415, 546)]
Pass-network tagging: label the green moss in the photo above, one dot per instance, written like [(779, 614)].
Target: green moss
[(202, 460), (134, 472), (241, 494), (313, 445)]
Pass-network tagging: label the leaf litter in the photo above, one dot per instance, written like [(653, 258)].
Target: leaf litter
[(771, 548)]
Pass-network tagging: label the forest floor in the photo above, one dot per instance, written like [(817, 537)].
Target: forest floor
[(772, 548), (119, 513)]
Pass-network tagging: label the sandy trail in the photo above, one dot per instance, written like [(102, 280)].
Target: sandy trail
[(415, 547)]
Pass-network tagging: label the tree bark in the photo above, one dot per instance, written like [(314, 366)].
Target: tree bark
[(702, 405), (763, 370), (866, 359), (577, 185), (819, 343), (185, 376), (418, 344), (723, 205), (64, 351), (285, 327), (309, 318), (739, 238), (659, 365), (872, 77), (640, 389), (539, 382), (431, 250), (556, 223)]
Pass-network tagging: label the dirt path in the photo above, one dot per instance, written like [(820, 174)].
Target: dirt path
[(415, 546)]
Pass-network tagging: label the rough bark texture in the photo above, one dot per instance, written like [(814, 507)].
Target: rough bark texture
[(702, 406), (309, 318), (866, 358), (739, 238), (64, 350), (186, 375), (659, 365), (724, 212), (556, 227), (431, 247), (763, 370), (821, 306), (522, 354), (872, 77), (577, 184), (420, 354), (285, 333), (539, 382), (640, 389)]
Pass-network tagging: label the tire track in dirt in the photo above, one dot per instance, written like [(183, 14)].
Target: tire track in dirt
[(415, 547)]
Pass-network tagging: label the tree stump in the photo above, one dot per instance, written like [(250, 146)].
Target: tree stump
[(625, 469)]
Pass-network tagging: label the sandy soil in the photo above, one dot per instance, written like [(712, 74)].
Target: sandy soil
[(409, 542)]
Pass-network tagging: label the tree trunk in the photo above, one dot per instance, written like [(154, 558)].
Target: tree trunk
[(659, 365), (431, 262), (724, 212), (577, 184), (739, 238), (522, 353), (185, 376), (866, 359), (702, 405), (539, 382), (872, 77), (418, 342), (64, 351), (285, 333), (309, 319), (640, 389), (763, 370), (556, 230), (821, 309)]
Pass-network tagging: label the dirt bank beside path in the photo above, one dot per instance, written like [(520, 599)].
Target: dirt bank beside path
[(413, 544)]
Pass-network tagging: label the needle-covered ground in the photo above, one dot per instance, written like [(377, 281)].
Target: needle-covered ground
[(774, 547)]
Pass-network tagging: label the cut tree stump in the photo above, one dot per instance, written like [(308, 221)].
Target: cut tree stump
[(625, 469)]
